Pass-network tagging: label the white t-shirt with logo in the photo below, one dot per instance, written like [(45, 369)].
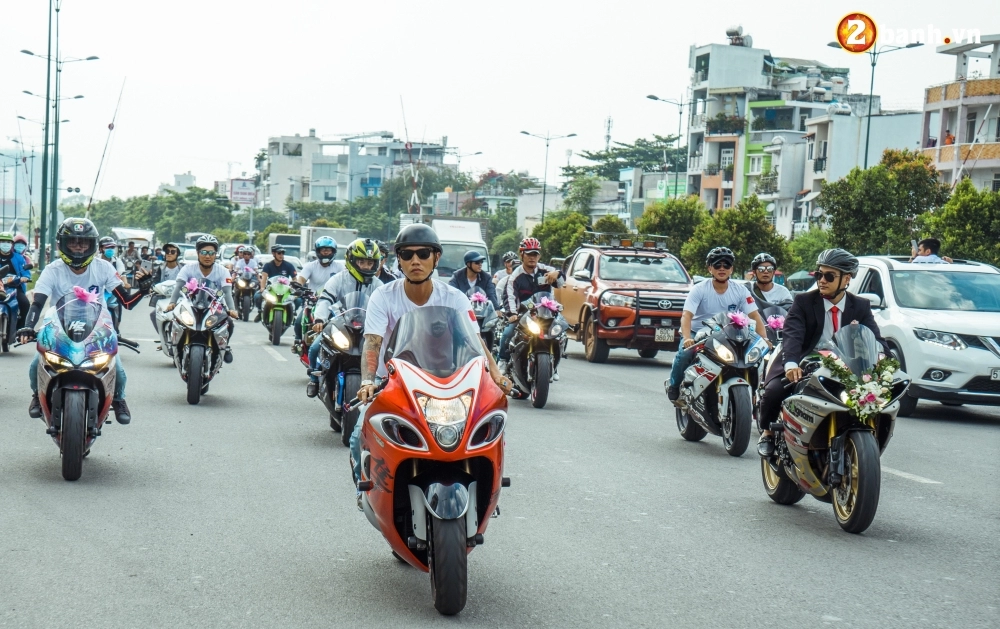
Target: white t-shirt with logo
[(704, 303), (389, 303), (58, 280), (217, 279), (317, 275)]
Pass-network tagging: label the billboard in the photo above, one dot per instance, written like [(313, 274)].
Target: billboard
[(242, 191)]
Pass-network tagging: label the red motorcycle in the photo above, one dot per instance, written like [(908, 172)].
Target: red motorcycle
[(432, 448)]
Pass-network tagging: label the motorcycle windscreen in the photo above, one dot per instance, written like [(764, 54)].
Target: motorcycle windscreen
[(545, 306), (437, 339), (856, 345), (353, 308)]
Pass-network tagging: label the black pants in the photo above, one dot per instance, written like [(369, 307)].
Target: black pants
[(22, 308)]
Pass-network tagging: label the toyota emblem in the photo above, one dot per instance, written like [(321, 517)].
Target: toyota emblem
[(664, 304)]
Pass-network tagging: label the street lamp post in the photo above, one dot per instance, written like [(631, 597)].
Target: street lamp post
[(681, 104), (874, 54), (545, 175)]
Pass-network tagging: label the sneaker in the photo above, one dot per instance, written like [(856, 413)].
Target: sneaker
[(228, 356), (311, 389), (765, 446), (35, 408), (256, 317), (122, 416)]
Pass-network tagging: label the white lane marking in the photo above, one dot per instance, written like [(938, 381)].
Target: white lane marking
[(908, 476), (273, 352)]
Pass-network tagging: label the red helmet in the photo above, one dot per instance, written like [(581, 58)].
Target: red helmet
[(530, 244)]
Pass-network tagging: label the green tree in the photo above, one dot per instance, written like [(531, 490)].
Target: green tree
[(580, 194), (561, 233), (273, 228), (610, 224), (874, 211), (649, 155), (807, 247), (505, 241), (676, 219), (968, 225), (745, 229)]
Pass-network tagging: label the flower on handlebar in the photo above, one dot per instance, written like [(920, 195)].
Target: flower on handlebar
[(739, 319), (479, 298), (550, 304), (776, 322), (84, 295)]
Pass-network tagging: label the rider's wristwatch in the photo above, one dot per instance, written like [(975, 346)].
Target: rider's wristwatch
[(367, 383)]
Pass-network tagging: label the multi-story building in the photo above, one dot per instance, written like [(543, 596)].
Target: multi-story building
[(961, 118), (316, 169)]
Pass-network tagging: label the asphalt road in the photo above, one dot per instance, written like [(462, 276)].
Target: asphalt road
[(240, 512)]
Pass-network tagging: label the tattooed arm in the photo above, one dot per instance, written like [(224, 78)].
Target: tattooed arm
[(369, 365)]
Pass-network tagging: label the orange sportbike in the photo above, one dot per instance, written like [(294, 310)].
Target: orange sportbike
[(432, 445)]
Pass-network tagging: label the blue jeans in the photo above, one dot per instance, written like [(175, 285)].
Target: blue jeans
[(119, 378), (682, 361), (314, 359), (508, 332)]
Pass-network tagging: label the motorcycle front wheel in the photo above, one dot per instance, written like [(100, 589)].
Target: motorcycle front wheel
[(736, 432), (447, 559), (540, 385), (73, 439), (352, 384), (855, 500), (196, 363), (778, 486)]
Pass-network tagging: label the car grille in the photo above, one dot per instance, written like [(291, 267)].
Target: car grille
[(983, 384), (652, 302)]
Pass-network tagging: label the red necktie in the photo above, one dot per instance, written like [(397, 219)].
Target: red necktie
[(836, 319)]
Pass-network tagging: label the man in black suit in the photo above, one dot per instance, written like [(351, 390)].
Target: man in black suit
[(814, 318)]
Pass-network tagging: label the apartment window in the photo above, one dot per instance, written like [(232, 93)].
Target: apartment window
[(756, 164), (809, 150), (727, 201), (292, 149), (970, 128), (726, 157)]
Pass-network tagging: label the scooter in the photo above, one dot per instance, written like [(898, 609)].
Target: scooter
[(432, 449)]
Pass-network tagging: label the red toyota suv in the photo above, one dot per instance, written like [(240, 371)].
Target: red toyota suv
[(626, 294)]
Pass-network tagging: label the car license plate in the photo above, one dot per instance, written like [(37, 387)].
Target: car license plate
[(666, 335), (993, 376)]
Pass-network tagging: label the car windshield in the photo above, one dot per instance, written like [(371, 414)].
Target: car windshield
[(632, 268), (453, 257), (947, 290), (437, 339)]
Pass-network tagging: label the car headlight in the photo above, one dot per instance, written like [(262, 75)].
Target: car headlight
[(57, 361), (446, 418), (340, 340), (724, 353), (242, 283), (944, 339), (185, 316), (534, 327), (270, 297), (616, 299)]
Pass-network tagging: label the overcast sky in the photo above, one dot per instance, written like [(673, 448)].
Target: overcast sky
[(207, 81)]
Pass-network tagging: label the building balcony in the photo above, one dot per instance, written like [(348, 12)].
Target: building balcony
[(819, 165)]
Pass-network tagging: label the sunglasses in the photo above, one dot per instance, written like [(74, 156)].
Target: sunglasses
[(722, 265), (208, 252), (765, 269), (407, 254), (829, 276)]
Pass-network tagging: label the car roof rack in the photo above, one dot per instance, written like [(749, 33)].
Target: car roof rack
[(634, 242)]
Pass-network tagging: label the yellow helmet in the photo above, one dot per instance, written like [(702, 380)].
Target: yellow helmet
[(362, 249)]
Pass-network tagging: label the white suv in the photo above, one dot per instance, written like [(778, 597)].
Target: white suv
[(942, 322)]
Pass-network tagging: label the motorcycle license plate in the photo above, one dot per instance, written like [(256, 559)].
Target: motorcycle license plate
[(995, 375), (664, 335)]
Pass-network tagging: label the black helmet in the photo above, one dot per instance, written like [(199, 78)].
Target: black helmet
[(760, 259), (417, 234), (838, 259), (720, 254), (474, 256), (208, 240), (75, 230), (276, 248)]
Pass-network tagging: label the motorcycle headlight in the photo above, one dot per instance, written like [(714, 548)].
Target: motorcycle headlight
[(616, 299), (185, 316), (340, 340), (271, 298), (944, 339), (534, 327), (446, 418), (57, 361), (724, 353)]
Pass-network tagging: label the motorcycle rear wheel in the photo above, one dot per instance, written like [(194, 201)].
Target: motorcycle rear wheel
[(688, 428), (352, 383), (277, 326), (737, 438), (447, 559), (778, 486), (855, 500), (540, 385), (247, 306), (196, 364), (73, 439)]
